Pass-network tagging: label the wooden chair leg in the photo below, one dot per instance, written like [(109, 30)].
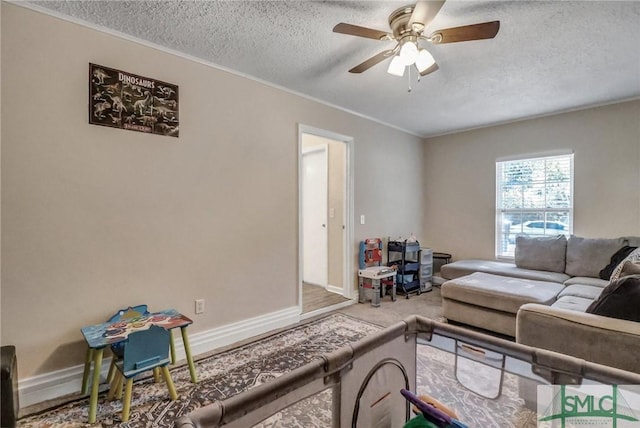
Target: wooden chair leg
[(112, 369), (167, 378), (156, 374), (126, 404), (119, 386), (112, 388)]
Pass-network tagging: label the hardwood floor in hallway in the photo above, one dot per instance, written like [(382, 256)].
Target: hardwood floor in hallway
[(315, 297)]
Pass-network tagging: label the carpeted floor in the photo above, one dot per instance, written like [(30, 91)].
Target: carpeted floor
[(427, 304)]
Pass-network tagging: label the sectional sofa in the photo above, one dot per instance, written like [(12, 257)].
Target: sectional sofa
[(541, 298)]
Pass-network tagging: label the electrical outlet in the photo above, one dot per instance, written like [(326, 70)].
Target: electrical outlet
[(199, 306)]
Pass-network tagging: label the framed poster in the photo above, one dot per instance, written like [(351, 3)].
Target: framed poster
[(127, 101)]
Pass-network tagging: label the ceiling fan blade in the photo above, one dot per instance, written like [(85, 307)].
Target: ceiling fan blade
[(355, 30), (372, 61), (430, 70), (423, 14), (486, 30)]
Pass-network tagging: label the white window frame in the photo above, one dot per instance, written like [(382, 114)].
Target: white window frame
[(500, 255)]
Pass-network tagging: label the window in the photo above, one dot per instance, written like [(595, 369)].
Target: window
[(533, 197)]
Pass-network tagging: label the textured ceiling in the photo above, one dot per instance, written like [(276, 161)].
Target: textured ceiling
[(548, 57)]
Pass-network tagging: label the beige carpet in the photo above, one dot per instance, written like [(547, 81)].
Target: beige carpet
[(427, 304)]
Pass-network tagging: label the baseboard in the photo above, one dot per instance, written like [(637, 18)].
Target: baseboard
[(328, 309), (68, 381), (335, 289)]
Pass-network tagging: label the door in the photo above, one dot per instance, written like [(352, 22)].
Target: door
[(314, 215)]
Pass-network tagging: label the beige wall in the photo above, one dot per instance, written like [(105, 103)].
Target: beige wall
[(336, 158), (460, 176), (94, 218)]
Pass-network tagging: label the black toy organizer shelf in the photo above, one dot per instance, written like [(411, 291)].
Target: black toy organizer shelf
[(406, 257)]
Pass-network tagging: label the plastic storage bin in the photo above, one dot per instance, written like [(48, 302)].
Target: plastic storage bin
[(426, 269)]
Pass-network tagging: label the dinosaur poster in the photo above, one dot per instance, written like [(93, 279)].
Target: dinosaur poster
[(127, 101)]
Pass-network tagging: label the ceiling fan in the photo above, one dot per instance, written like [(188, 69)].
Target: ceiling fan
[(407, 29)]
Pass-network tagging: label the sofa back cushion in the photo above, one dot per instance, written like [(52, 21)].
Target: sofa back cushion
[(541, 253), (633, 241), (620, 299), (586, 256)]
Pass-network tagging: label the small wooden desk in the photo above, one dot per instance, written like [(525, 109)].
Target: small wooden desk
[(100, 336)]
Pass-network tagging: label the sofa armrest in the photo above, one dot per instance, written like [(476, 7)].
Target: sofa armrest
[(603, 340)]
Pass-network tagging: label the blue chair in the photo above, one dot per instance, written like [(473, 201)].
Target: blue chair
[(117, 349), (144, 350)]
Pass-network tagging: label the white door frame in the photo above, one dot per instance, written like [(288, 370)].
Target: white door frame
[(348, 262)]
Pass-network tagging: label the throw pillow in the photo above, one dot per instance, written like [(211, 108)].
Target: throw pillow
[(586, 256), (634, 257), (630, 268), (620, 299), (616, 259), (542, 253)]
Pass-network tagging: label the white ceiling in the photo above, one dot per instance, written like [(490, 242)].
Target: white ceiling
[(548, 57)]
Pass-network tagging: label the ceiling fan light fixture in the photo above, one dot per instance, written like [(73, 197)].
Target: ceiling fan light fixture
[(396, 67), (409, 52), (424, 60)]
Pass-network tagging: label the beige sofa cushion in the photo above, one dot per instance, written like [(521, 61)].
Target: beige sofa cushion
[(465, 267), (587, 257), (581, 290), (541, 253), (633, 241), (500, 292), (574, 303), (586, 280)]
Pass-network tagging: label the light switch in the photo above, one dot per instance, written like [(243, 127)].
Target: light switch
[(361, 218), (332, 212)]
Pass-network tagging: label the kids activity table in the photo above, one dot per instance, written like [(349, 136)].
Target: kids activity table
[(99, 336)]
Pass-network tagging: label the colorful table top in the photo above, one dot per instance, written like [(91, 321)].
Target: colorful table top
[(102, 335)]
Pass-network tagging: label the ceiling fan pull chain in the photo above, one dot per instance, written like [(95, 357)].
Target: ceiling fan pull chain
[(409, 77)]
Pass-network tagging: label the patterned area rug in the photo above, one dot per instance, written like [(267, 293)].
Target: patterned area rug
[(231, 372), (220, 376)]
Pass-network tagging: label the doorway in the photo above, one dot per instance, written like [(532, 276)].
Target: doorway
[(325, 206), (315, 195)]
